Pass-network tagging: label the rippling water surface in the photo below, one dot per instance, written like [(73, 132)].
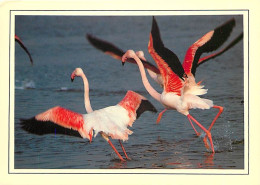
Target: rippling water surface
[(58, 45)]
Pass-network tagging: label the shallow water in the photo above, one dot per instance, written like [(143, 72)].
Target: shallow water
[(58, 46)]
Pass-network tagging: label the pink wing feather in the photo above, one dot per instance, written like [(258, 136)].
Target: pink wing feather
[(208, 43), (63, 117), (168, 63)]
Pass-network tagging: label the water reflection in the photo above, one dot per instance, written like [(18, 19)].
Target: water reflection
[(208, 161), (118, 164)]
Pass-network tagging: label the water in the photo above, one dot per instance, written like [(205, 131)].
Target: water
[(58, 46)]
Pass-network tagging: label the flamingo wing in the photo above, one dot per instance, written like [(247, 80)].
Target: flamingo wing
[(56, 120), (168, 63), (206, 58), (208, 43), (116, 53), (17, 39)]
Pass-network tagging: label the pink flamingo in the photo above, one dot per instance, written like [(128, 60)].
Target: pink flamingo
[(152, 70), (17, 39), (111, 121), (181, 92)]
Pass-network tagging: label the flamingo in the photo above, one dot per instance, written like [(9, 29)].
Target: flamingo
[(180, 91), (111, 121), (152, 70), (17, 39)]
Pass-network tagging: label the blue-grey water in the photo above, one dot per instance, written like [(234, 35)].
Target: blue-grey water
[(58, 45)]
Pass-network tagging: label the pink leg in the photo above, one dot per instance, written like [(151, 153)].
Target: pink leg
[(115, 150), (208, 134), (124, 150), (214, 120), (160, 116), (197, 133)]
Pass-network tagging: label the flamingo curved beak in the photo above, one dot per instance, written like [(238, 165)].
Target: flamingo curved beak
[(124, 58), (72, 76)]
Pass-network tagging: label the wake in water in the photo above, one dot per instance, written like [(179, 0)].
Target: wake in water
[(25, 84)]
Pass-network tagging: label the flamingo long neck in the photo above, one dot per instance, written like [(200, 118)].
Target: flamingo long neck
[(86, 94), (146, 83)]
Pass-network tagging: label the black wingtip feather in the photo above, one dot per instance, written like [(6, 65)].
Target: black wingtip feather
[(40, 128), (220, 35), (167, 55), (145, 106), (104, 45)]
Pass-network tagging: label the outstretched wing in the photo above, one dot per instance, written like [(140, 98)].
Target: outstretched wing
[(56, 120), (206, 58), (168, 63), (116, 53), (17, 39), (209, 42)]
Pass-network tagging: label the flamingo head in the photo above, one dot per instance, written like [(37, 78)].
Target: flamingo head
[(140, 54), (75, 73), (127, 55)]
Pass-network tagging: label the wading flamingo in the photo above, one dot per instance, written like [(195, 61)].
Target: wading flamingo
[(17, 39), (111, 121), (152, 70), (180, 89)]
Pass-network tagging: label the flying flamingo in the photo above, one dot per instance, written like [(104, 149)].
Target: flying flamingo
[(17, 39), (111, 121), (152, 70), (181, 92)]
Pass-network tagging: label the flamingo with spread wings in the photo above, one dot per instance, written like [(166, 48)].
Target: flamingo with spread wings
[(180, 91), (112, 121), (152, 70)]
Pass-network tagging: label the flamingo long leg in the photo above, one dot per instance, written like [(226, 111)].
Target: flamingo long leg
[(124, 150), (215, 119), (111, 144), (197, 133), (205, 130), (213, 122), (160, 116)]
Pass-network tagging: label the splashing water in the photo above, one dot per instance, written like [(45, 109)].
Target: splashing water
[(25, 84)]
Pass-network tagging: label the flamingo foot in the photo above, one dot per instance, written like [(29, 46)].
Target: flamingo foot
[(208, 134), (160, 116)]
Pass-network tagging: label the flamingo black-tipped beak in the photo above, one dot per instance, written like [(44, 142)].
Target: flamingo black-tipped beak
[(123, 63), (72, 76)]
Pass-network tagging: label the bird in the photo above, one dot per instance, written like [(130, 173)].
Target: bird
[(112, 121), (17, 39), (180, 91), (152, 70)]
